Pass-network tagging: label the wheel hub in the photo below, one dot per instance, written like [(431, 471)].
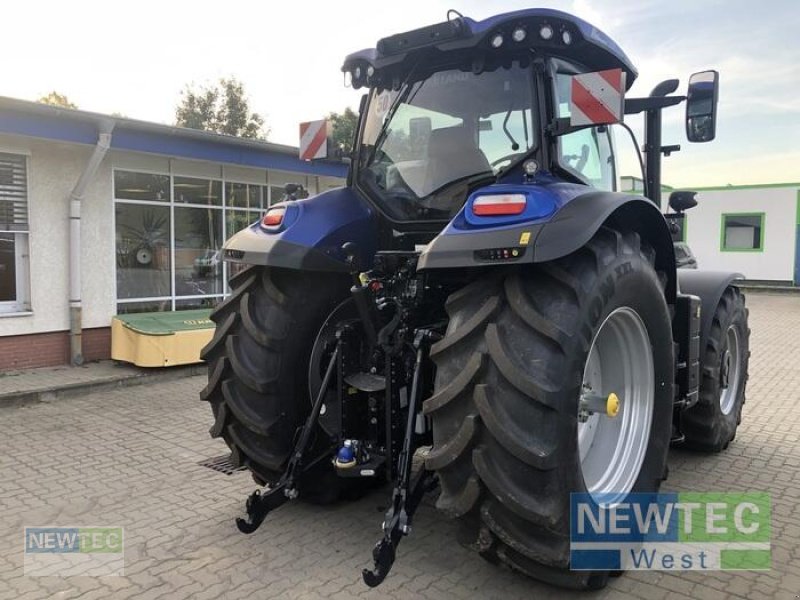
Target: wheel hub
[(592, 403), (616, 406), (729, 372), (724, 372)]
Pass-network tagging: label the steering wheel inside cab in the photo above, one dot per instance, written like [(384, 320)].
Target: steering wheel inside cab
[(497, 164), (580, 160)]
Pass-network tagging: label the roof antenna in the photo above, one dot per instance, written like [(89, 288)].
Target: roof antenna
[(453, 11)]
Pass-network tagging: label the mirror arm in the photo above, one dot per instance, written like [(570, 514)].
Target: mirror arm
[(637, 105), (667, 150), (665, 88)]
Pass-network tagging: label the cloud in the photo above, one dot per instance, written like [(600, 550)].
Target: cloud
[(772, 167), (288, 55)]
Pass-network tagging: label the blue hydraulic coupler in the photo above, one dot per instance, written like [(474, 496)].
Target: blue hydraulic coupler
[(346, 456)]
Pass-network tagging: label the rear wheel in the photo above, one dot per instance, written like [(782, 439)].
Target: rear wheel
[(525, 352), (258, 369), (711, 424)]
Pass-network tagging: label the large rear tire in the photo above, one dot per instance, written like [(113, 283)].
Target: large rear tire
[(710, 425), (258, 368), (510, 371)]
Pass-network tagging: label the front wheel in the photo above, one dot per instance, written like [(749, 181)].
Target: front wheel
[(711, 424), (516, 422)]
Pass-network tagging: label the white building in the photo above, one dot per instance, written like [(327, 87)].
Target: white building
[(753, 229), (155, 204)]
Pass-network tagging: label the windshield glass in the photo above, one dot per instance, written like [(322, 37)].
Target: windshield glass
[(425, 143)]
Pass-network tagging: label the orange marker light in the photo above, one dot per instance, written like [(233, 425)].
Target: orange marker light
[(273, 218)]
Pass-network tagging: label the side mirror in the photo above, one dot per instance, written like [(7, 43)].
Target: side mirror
[(681, 201), (701, 106)]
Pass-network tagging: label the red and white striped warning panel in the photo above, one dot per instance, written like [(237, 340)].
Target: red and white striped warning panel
[(597, 98), (313, 138)]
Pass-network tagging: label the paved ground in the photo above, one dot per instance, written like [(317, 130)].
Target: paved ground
[(128, 457)]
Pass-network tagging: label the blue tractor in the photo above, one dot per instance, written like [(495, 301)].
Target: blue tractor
[(480, 313)]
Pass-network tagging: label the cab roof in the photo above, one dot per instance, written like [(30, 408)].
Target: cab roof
[(570, 38)]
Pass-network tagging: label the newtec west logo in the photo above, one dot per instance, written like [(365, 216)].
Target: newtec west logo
[(74, 551), (671, 532)]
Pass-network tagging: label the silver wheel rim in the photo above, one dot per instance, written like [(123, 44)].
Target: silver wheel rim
[(729, 372), (612, 449)]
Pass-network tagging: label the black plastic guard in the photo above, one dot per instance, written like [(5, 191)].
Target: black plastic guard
[(709, 286)]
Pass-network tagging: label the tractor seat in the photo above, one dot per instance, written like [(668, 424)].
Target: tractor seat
[(452, 154)]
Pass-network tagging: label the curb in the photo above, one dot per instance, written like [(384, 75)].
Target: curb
[(129, 379), (770, 289)]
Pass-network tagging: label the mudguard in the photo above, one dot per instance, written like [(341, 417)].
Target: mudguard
[(577, 213), (311, 235), (709, 286)]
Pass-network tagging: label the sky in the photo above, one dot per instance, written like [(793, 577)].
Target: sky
[(135, 58)]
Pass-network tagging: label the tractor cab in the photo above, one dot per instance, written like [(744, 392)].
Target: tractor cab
[(464, 104)]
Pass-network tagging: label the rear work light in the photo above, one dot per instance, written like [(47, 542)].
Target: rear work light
[(274, 218), (498, 205)]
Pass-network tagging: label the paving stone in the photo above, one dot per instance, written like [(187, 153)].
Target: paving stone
[(128, 457)]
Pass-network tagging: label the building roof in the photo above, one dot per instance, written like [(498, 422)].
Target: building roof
[(21, 117)]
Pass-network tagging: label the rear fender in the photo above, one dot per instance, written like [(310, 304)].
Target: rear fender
[(312, 235), (709, 286), (575, 224), (578, 217)]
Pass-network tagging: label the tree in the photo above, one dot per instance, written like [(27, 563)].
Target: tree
[(223, 108), (343, 127), (56, 99)]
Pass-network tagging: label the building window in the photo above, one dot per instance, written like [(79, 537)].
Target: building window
[(198, 239), (141, 186), (169, 235), (14, 277), (243, 195), (190, 190), (276, 194), (742, 232), (143, 251)]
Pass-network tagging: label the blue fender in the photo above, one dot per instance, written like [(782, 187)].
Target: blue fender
[(560, 218), (311, 235)]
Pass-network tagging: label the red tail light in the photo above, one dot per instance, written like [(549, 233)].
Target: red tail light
[(273, 218), (493, 205)]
